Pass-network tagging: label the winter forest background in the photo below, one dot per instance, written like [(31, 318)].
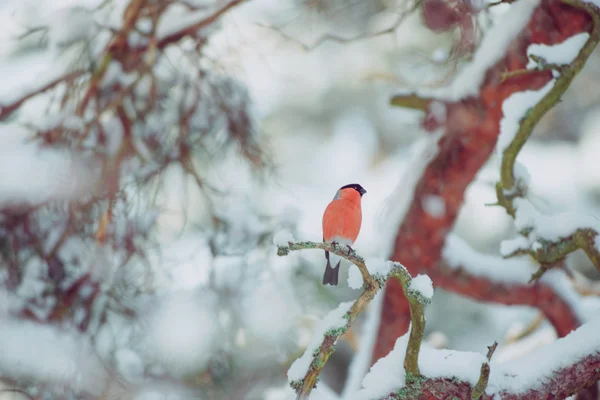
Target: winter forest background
[(156, 156)]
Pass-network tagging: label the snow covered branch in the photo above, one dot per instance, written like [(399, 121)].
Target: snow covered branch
[(556, 370), (472, 112), (303, 374), (548, 239)]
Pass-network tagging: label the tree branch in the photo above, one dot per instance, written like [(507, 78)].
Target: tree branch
[(548, 252), (372, 284), (7, 110), (471, 128)]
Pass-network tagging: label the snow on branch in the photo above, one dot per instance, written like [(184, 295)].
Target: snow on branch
[(556, 370), (471, 121), (548, 239), (506, 281), (44, 353), (304, 372)]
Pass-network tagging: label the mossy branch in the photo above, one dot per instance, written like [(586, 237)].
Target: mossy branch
[(567, 73), (411, 101), (372, 284), (510, 187), (484, 375)]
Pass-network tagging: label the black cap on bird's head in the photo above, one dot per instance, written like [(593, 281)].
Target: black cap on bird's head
[(356, 187)]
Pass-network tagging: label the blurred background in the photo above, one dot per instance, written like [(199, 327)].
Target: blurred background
[(171, 279)]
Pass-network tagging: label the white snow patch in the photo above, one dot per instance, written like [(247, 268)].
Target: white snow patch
[(558, 54), (493, 47), (515, 376), (514, 108), (458, 254), (388, 375), (361, 361), (129, 364), (50, 174), (434, 206), (551, 227), (44, 353), (283, 238), (423, 285), (509, 246), (375, 266), (423, 151), (181, 332), (333, 320), (524, 373)]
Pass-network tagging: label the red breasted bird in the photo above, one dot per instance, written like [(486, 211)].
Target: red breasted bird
[(341, 224)]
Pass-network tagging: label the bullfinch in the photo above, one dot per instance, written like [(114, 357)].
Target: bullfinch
[(341, 224)]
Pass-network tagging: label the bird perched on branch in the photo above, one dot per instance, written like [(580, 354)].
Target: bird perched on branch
[(341, 224)]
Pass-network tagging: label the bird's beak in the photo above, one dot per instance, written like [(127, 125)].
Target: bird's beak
[(362, 191)]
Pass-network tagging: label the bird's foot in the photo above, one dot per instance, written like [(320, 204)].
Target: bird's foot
[(351, 251)]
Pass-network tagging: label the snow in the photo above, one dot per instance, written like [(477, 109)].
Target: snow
[(181, 331), (423, 151), (514, 108), (458, 254), (361, 362), (48, 354), (129, 365), (321, 392), (551, 227), (492, 48), (510, 246), (558, 54), (29, 73), (518, 269), (178, 18), (423, 285), (375, 266), (515, 376), (524, 373), (270, 312), (50, 174), (333, 320), (69, 24), (517, 105), (283, 238), (434, 206), (388, 375)]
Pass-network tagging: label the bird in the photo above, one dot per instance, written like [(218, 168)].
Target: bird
[(341, 224)]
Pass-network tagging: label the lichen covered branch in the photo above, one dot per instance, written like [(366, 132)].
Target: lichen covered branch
[(335, 329), (471, 126)]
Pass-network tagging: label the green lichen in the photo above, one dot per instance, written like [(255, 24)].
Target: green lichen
[(412, 388), (297, 385)]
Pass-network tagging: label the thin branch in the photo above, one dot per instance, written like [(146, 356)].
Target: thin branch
[(7, 110), (567, 74), (329, 37), (192, 29), (548, 252), (372, 284), (484, 375)]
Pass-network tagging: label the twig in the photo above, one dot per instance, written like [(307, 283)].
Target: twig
[(329, 37), (484, 375), (190, 30), (7, 110)]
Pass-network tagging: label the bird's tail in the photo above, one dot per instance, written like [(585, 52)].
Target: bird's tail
[(331, 274)]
